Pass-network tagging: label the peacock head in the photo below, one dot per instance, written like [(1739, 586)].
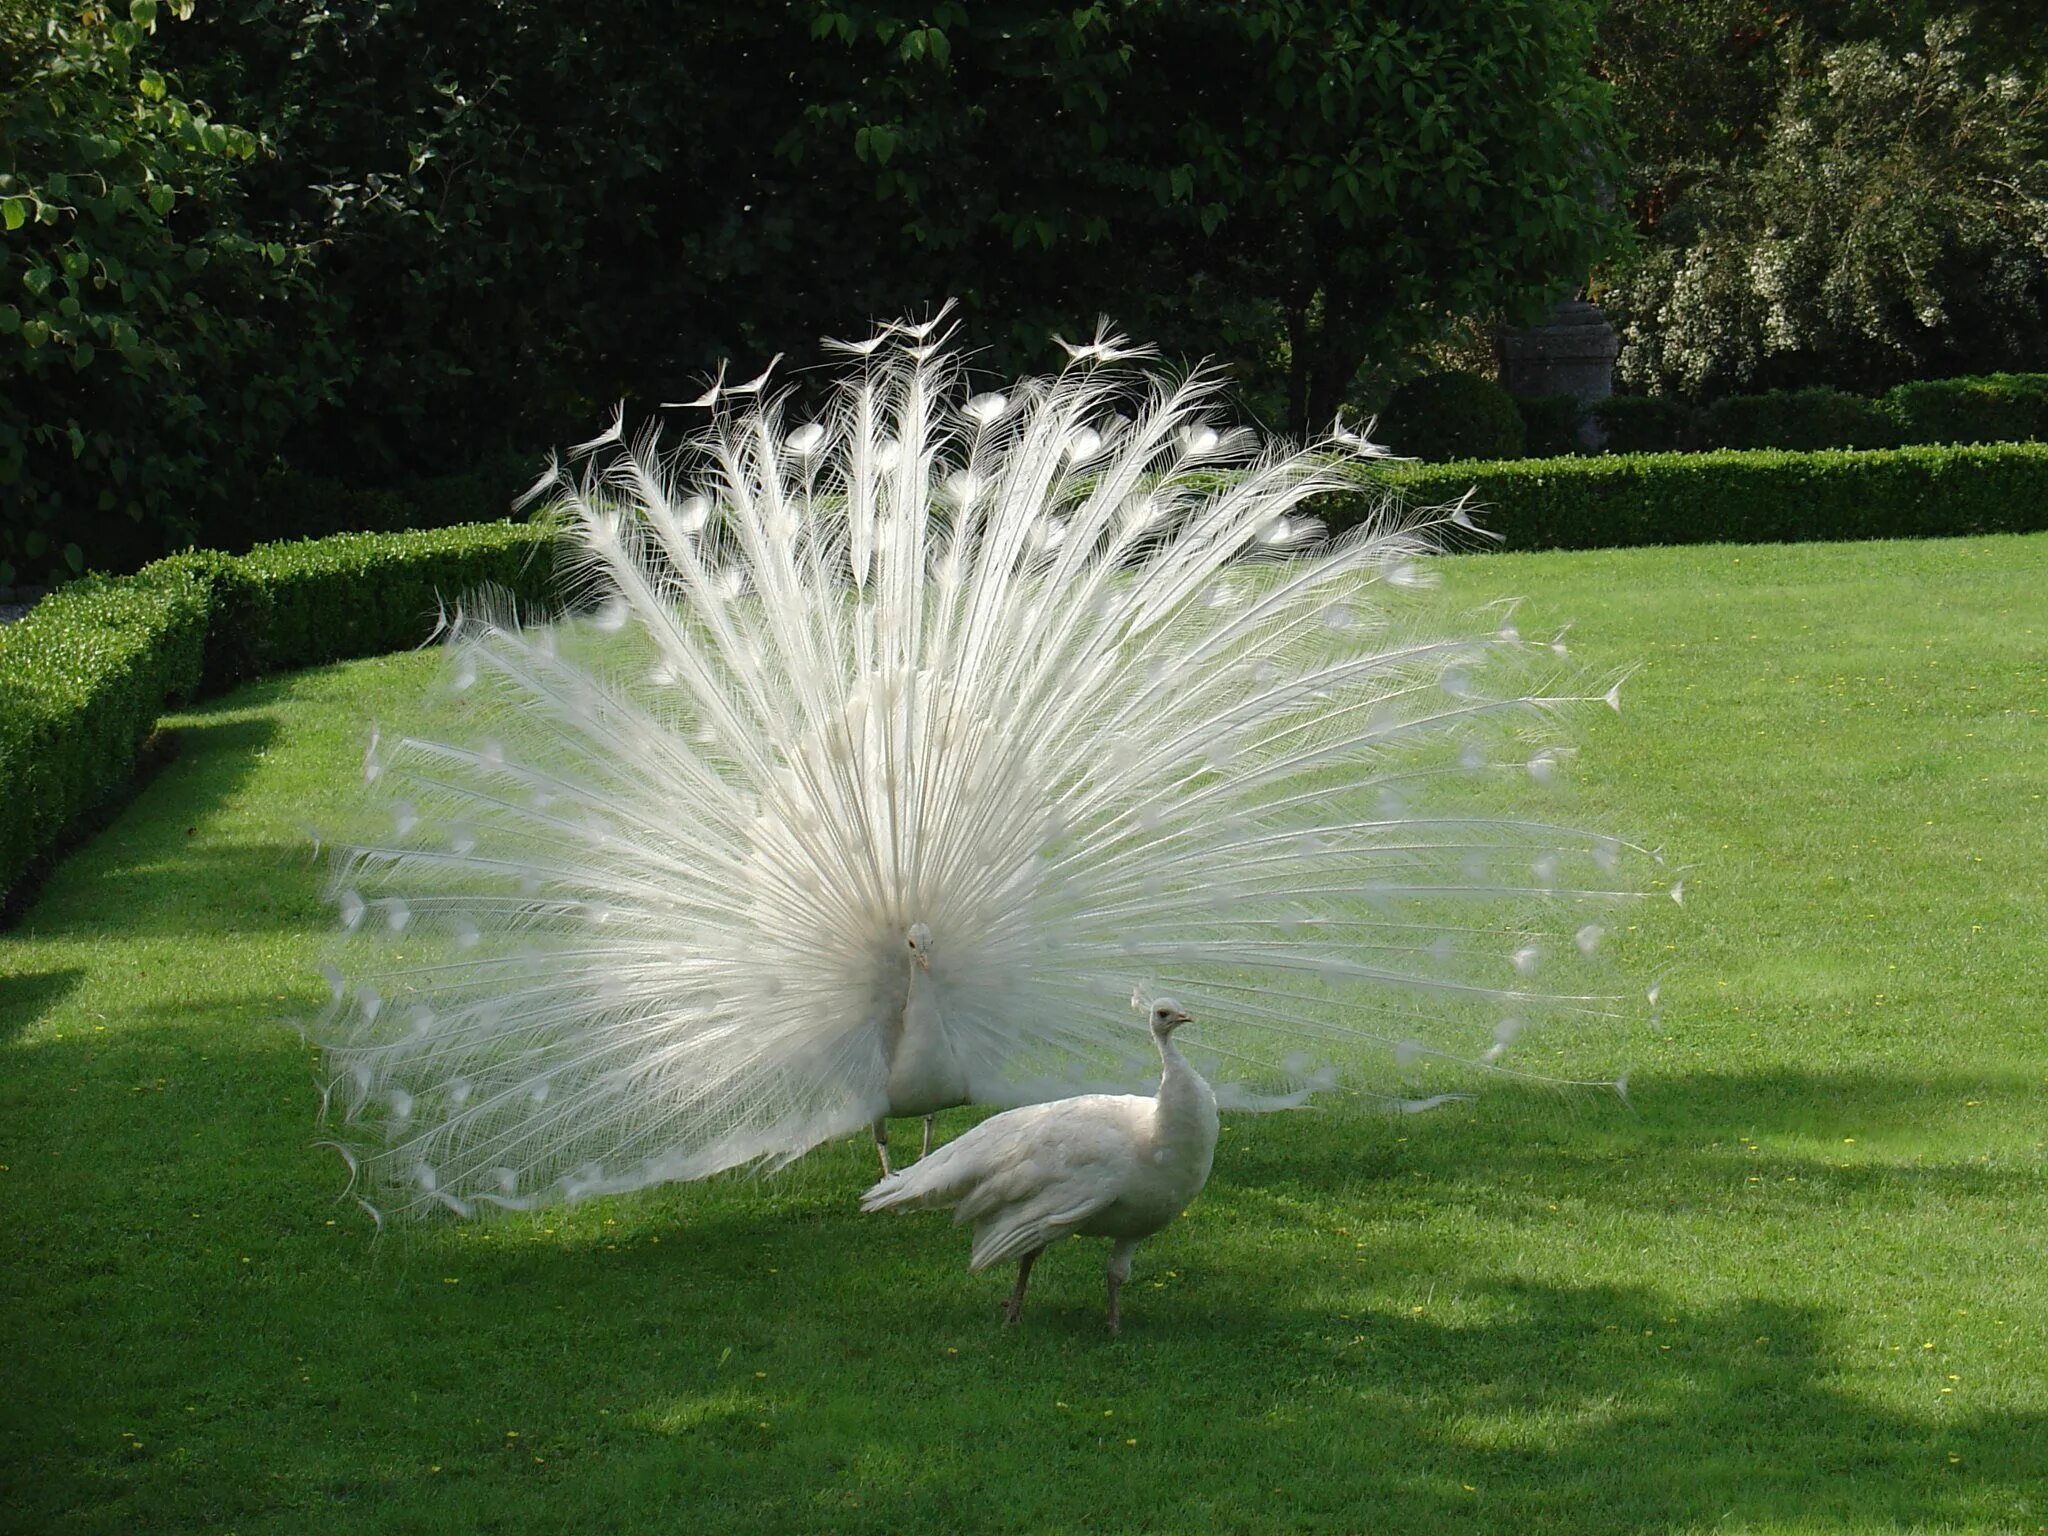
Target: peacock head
[(1167, 1016), (919, 942)]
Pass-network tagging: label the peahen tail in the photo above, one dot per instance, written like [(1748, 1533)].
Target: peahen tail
[(1066, 672)]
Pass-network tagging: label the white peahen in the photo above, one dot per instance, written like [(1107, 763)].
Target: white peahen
[(1115, 1165), (884, 754)]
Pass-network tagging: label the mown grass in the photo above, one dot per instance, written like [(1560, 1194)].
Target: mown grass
[(1800, 1285)]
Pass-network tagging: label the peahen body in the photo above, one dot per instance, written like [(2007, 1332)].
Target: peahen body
[(1112, 1165), (882, 755)]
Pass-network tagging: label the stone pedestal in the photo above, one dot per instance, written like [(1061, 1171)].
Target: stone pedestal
[(1570, 352)]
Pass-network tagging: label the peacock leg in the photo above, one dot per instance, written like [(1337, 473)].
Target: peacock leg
[(881, 1133), (927, 1152), (1014, 1307), (1119, 1272)]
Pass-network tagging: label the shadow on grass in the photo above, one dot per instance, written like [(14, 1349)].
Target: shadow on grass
[(148, 874), (27, 996), (205, 1293), (1682, 1135)]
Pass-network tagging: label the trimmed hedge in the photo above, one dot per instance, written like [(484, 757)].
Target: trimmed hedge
[(1550, 424), (1808, 420), (1763, 496), (84, 676), (1990, 408), (357, 594), (1453, 416), (82, 680)]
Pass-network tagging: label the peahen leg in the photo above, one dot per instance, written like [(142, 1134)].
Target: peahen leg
[(881, 1133), (1119, 1272), (1014, 1307), (927, 1152)]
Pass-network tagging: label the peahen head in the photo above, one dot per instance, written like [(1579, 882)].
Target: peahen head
[(919, 942), (1167, 1016)]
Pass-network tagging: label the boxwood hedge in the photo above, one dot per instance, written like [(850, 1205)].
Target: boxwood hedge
[(85, 675), (1761, 496), (82, 680)]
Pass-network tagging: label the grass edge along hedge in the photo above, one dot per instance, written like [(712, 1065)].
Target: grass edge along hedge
[(85, 674)]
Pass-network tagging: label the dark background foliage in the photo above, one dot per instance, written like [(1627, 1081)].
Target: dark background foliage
[(441, 234), (1829, 192), (259, 257), (151, 340)]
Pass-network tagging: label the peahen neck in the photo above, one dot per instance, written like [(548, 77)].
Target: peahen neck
[(1186, 1107)]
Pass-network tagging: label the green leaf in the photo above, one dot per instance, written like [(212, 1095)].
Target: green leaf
[(161, 198), (14, 212), (82, 356), (152, 85), (36, 542), (142, 12), (941, 48), (74, 557), (59, 185), (35, 333)]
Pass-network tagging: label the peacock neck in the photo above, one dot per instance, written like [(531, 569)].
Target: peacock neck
[(925, 1072)]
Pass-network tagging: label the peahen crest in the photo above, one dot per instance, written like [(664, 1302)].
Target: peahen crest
[(1065, 673)]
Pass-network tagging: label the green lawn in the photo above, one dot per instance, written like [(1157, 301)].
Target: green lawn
[(1801, 1284)]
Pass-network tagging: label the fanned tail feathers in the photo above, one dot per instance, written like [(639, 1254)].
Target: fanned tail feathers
[(1065, 672)]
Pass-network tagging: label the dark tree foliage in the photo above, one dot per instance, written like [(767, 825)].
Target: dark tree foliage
[(533, 208), (521, 209), (152, 347), (443, 232), (1845, 192), (1296, 185)]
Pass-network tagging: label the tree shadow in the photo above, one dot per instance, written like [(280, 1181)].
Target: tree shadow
[(1679, 1134), (27, 996), (148, 873), (1263, 1386)]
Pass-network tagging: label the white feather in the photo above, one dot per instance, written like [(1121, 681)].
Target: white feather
[(924, 662)]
